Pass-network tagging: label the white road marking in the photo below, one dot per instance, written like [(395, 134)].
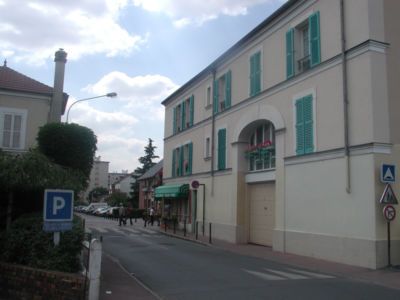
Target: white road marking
[(264, 275), (312, 274), (287, 274)]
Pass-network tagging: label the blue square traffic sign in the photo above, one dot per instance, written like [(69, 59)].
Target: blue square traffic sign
[(388, 173), (58, 205)]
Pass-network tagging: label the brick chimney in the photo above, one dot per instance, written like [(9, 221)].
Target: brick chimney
[(58, 89)]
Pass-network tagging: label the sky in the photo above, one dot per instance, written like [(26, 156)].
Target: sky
[(141, 49)]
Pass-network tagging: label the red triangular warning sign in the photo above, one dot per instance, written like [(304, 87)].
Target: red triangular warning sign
[(388, 196)]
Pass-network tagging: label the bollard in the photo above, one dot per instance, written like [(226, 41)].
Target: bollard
[(197, 230), (174, 226), (184, 227), (210, 234), (94, 269), (165, 225)]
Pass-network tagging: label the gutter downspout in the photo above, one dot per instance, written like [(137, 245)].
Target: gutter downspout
[(345, 98), (213, 70)]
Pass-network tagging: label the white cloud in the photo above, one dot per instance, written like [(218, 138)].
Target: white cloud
[(122, 124), (185, 12), (35, 29), (141, 94)]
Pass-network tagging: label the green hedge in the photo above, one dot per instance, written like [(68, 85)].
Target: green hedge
[(27, 244)]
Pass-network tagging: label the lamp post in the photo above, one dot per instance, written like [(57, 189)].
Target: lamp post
[(111, 95)]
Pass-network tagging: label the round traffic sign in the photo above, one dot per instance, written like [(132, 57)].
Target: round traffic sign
[(389, 212), (195, 184)]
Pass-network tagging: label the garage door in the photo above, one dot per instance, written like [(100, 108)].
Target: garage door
[(262, 210)]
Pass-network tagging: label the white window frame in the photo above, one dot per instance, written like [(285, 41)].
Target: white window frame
[(14, 111), (208, 97), (207, 152)]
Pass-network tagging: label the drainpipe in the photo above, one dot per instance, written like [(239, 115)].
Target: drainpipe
[(345, 98), (213, 70)]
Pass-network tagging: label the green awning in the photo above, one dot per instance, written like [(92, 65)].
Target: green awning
[(172, 191)]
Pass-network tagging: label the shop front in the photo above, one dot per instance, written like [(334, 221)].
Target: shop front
[(175, 203)]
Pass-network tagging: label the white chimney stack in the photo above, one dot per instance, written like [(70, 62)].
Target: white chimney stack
[(58, 88)]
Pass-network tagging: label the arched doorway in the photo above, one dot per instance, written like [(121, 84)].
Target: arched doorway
[(258, 148), (260, 184)]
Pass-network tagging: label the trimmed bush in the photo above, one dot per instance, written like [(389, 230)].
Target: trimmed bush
[(27, 244)]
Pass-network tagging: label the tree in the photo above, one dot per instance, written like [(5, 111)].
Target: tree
[(146, 163), (33, 172), (116, 198), (69, 145), (97, 192), (147, 159)]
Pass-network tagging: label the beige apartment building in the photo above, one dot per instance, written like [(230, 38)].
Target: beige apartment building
[(27, 104), (287, 130), (98, 176)]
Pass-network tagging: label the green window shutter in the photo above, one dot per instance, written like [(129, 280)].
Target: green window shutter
[(257, 72), (221, 149), (183, 115), (299, 127), (173, 162), (228, 83), (215, 96), (174, 120), (191, 110), (252, 67), (190, 160), (181, 157), (314, 37), (308, 124), (290, 53)]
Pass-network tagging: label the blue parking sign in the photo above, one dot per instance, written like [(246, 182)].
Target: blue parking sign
[(58, 205)]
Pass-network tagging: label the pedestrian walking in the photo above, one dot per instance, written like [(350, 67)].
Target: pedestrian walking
[(151, 215), (121, 214)]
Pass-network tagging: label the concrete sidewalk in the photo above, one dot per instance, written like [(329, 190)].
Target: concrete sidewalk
[(117, 283)]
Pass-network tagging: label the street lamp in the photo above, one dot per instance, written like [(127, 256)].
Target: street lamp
[(111, 95)]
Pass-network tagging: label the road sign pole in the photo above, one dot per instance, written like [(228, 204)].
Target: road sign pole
[(388, 232), (56, 238)]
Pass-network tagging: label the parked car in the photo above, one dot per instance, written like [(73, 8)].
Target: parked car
[(93, 206), (99, 211)]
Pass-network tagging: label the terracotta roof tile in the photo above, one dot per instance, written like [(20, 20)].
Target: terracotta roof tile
[(13, 80)]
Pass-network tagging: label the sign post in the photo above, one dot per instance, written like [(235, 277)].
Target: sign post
[(389, 212), (58, 212), (388, 176)]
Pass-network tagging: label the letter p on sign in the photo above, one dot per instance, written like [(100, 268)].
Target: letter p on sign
[(58, 205)]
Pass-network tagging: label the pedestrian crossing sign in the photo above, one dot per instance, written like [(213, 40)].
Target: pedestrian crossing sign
[(388, 196), (388, 173)]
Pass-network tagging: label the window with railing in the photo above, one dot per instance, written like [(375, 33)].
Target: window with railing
[(303, 49), (260, 151)]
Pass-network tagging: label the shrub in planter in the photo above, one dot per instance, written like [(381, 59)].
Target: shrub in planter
[(27, 244)]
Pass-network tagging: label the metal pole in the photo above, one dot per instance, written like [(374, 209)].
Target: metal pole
[(388, 232), (210, 235), (184, 226), (197, 230), (204, 206)]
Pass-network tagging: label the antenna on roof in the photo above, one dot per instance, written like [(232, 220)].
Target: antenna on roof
[(5, 63)]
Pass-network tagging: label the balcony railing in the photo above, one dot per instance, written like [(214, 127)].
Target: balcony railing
[(303, 64)]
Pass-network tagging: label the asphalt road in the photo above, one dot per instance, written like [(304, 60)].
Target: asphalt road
[(178, 269)]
